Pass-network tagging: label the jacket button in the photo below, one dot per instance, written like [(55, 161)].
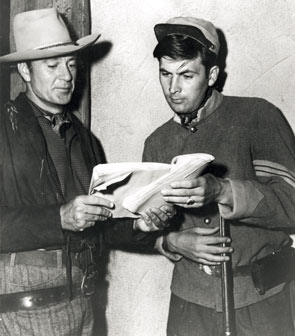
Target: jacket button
[(207, 220)]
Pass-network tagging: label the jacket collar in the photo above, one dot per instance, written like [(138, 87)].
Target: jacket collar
[(210, 106), (30, 133), (27, 122)]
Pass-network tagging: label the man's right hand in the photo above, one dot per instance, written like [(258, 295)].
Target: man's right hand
[(83, 211), (199, 245)]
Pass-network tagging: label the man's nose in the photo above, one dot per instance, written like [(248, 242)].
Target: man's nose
[(174, 85), (66, 73)]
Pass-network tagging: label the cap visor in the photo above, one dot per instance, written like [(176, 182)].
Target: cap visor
[(164, 29)]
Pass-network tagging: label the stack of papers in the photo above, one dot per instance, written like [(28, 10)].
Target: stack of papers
[(136, 186)]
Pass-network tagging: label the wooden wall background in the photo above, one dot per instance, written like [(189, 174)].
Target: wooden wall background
[(4, 49)]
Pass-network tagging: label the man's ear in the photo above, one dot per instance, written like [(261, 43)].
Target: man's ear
[(213, 75), (24, 71)]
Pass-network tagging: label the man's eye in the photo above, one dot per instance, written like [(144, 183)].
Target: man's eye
[(73, 65), (187, 76), (52, 66), (165, 74)]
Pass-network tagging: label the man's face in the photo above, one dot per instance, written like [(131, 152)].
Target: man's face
[(52, 82), (184, 83)]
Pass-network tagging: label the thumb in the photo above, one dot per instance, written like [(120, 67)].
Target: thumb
[(206, 231), (169, 255)]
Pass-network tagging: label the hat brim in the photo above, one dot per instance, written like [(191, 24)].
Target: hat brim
[(35, 54), (164, 29)]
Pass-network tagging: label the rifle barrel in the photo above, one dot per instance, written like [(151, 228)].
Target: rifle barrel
[(227, 287)]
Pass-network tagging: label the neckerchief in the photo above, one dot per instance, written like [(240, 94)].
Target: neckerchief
[(60, 122)]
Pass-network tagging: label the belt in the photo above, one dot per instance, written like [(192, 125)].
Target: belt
[(34, 299), (44, 258), (37, 298), (215, 271)]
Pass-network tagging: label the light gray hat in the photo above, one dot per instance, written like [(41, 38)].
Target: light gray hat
[(42, 33)]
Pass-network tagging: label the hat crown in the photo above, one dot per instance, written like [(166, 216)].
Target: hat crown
[(41, 34), (207, 28), (39, 29)]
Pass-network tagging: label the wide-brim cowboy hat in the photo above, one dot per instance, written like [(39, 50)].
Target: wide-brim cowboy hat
[(42, 33)]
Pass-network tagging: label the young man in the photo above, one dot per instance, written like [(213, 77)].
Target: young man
[(49, 226), (250, 184)]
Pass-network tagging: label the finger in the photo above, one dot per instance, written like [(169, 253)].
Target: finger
[(102, 218), (206, 231), (85, 225), (162, 218), (147, 220), (206, 262), (90, 218), (214, 258), (172, 256), (156, 219), (187, 183), (144, 224), (158, 214), (98, 201), (170, 210), (212, 240), (90, 224), (179, 200), (183, 202), (98, 218), (97, 210), (177, 192), (218, 250)]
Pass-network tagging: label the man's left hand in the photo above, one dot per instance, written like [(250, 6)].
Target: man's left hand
[(155, 219)]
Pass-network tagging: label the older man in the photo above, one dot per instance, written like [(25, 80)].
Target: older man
[(251, 184), (48, 235)]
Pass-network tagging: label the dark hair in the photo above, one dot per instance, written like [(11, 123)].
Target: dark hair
[(29, 64), (184, 48)]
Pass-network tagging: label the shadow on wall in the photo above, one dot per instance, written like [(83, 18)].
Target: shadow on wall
[(221, 61), (99, 51), (87, 57)]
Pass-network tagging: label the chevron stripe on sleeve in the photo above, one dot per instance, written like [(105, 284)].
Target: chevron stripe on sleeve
[(268, 168)]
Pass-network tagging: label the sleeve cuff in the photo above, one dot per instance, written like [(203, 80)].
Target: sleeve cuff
[(246, 198)]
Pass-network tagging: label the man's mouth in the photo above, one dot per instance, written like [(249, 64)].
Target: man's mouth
[(177, 100)]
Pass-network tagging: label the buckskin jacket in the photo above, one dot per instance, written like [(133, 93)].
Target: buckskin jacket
[(254, 148), (30, 193)]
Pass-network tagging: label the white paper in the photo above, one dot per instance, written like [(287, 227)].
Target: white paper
[(135, 186)]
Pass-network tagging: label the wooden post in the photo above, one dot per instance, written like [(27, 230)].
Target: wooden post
[(4, 49), (77, 15)]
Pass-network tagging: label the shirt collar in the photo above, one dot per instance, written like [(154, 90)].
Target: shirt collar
[(59, 122), (39, 112), (211, 105)]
